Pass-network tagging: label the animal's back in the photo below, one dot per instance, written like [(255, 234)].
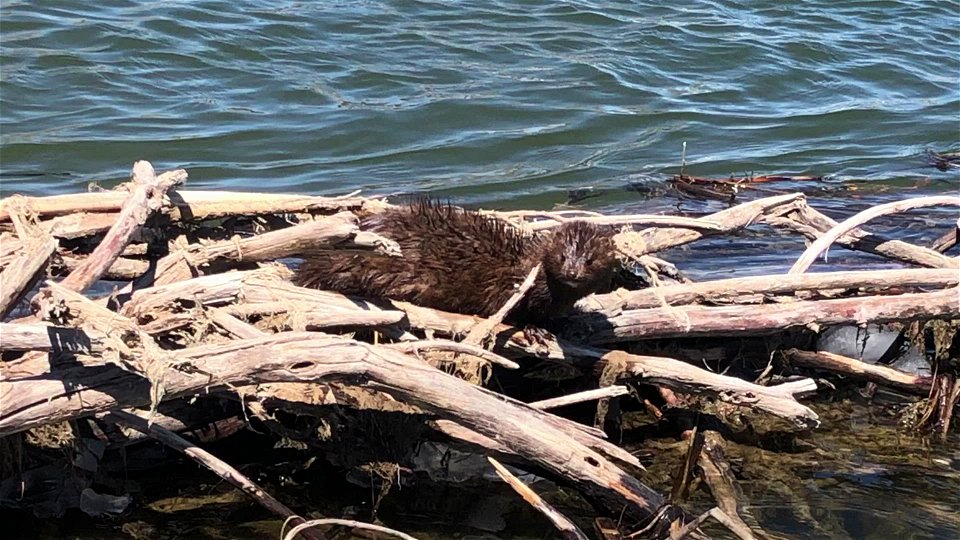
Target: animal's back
[(453, 260)]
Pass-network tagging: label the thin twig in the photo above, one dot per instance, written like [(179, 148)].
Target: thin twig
[(579, 397), (345, 523), (485, 329), (563, 524), (453, 346)]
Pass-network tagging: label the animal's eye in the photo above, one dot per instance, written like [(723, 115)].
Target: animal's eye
[(589, 262)]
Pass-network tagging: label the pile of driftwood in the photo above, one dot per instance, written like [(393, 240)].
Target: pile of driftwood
[(206, 313)]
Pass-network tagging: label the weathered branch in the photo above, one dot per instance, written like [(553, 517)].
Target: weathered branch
[(726, 290), (135, 349), (24, 270), (38, 337), (853, 222), (722, 482), (186, 205), (644, 220), (562, 523), (266, 286), (80, 225), (122, 269), (811, 223), (690, 321), (777, 400), (146, 198), (339, 231), (731, 219)]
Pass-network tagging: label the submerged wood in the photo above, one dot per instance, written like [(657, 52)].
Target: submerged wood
[(351, 523), (214, 464), (720, 478), (947, 240), (851, 367)]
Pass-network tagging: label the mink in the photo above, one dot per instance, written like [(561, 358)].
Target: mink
[(467, 262)]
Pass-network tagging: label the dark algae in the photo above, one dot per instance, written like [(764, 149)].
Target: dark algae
[(463, 261)]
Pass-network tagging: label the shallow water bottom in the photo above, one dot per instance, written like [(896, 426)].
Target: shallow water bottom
[(857, 476)]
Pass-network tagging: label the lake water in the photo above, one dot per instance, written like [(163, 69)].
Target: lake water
[(502, 104), (495, 103)]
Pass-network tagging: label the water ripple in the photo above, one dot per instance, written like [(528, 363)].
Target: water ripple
[(485, 100)]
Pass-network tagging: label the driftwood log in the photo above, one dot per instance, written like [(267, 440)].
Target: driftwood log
[(25, 266), (695, 320)]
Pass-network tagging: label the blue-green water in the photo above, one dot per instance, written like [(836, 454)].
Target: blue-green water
[(502, 104), (488, 102)]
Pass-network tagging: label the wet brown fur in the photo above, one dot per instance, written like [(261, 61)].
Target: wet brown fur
[(462, 261)]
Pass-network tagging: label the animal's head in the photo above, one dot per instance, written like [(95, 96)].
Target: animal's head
[(579, 256)]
